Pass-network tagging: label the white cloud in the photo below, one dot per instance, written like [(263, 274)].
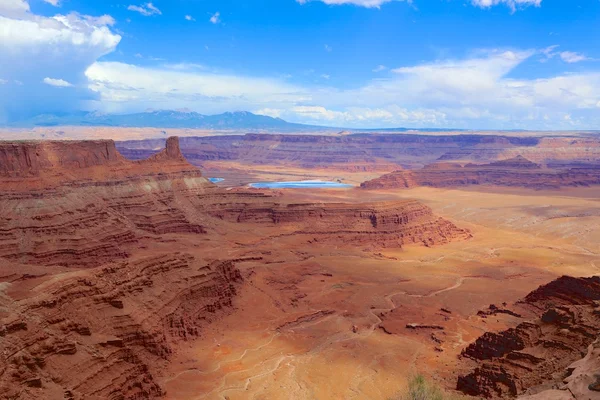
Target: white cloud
[(55, 3), (14, 8), (3, 81), (512, 4), (126, 87), (360, 3), (474, 92), (215, 18), (185, 66), (189, 18), (147, 9), (548, 52), (57, 82), (328, 48), (572, 57), (270, 112), (325, 76), (39, 46), (379, 68), (567, 56), (358, 116)]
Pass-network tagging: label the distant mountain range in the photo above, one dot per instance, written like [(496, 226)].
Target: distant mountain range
[(229, 121), (241, 120)]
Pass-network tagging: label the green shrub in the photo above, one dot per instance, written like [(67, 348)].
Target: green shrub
[(420, 389)]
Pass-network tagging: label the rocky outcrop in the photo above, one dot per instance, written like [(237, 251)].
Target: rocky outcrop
[(81, 204), (103, 334), (104, 267), (517, 171), (27, 159), (537, 352), (376, 152), (391, 224), (367, 152)]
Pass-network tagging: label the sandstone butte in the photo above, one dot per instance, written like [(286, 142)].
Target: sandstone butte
[(517, 171), (109, 265)]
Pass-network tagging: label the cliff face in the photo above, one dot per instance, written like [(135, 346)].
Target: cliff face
[(541, 350), (517, 171), (104, 267), (392, 224), (374, 152), (103, 335), (87, 208), (26, 159)]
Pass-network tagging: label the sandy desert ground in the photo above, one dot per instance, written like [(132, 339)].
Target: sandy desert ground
[(348, 337)]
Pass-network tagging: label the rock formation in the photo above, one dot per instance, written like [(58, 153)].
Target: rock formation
[(517, 171), (391, 224), (101, 335), (540, 351), (104, 268), (83, 206), (376, 152)]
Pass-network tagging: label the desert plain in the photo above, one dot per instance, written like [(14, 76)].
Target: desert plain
[(140, 279)]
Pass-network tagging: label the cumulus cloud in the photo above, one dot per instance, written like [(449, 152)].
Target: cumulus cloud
[(360, 3), (379, 68), (215, 18), (147, 9), (55, 3), (567, 56), (572, 57), (359, 116), (328, 48), (512, 4), (57, 82), (39, 47), (473, 92), (189, 18), (270, 112), (14, 8), (126, 87)]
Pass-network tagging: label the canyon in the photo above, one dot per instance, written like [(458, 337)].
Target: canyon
[(127, 274), (362, 151), (517, 171), (99, 281)]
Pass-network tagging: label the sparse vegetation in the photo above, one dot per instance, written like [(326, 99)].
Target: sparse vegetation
[(420, 388)]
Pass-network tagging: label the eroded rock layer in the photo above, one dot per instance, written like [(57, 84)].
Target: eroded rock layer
[(391, 224), (88, 213), (375, 151), (517, 171), (566, 321), (99, 335), (103, 266)]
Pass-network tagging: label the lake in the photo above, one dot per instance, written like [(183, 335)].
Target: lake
[(216, 180), (300, 185)]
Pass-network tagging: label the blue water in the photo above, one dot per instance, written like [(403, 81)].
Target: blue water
[(299, 185), (216, 180)]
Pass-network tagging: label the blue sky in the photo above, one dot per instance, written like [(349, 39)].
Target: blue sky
[(497, 64)]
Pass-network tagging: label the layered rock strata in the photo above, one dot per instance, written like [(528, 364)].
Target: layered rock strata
[(539, 352), (518, 172)]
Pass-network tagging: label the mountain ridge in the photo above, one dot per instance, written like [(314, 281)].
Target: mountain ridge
[(187, 119), (167, 119)]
